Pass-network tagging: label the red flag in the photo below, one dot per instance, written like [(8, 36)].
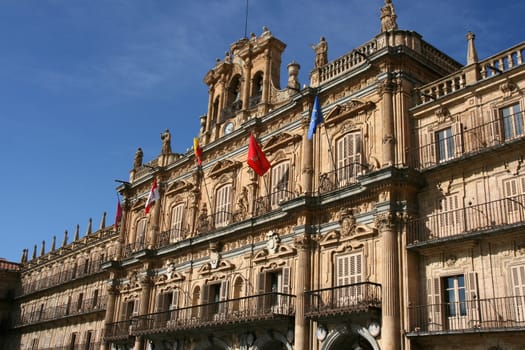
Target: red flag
[(153, 195), (197, 150), (256, 158), (118, 215)]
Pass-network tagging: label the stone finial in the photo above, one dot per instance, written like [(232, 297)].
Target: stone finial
[(103, 221), (89, 227), (77, 233), (24, 256), (388, 17), (34, 253), (43, 250), (137, 161), (53, 243), (293, 73), (472, 54)]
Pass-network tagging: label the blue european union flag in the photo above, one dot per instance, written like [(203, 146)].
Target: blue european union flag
[(316, 119)]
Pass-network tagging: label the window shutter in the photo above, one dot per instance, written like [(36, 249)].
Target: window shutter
[(518, 286), (472, 297), (177, 213), (434, 302), (432, 157), (261, 289), (457, 139), (285, 289), (223, 297)]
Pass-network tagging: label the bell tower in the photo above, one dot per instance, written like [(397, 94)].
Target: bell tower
[(241, 84)]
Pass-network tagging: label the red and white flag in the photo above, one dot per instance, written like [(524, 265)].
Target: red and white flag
[(153, 195), (256, 158)]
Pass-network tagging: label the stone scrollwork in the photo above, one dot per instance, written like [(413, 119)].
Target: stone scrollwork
[(302, 242), (385, 221), (273, 241), (347, 222)]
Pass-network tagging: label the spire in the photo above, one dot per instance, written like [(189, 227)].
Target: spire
[(43, 250), (103, 221), (24, 256), (89, 228), (77, 235), (34, 252), (472, 54), (64, 242), (53, 244)]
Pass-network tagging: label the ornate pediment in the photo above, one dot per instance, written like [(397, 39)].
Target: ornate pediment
[(222, 265), (224, 166), (348, 109), (281, 251), (280, 141), (178, 187)]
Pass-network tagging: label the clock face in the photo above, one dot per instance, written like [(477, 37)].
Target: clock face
[(228, 128)]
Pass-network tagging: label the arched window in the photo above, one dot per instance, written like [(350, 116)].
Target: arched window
[(238, 286), (234, 94), (257, 88), (280, 183), (177, 216), (223, 205), (349, 165), (195, 300), (215, 111)]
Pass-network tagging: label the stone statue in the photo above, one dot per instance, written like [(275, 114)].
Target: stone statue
[(166, 142), (321, 53), (242, 202), (388, 17), (137, 161)]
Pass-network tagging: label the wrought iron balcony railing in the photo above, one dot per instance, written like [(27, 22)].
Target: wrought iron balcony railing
[(80, 271), (170, 236), (118, 330), (496, 214), (341, 177), (207, 223), (84, 346), (469, 315), (131, 248), (271, 202), (468, 141), (58, 312), (343, 299), (269, 306)]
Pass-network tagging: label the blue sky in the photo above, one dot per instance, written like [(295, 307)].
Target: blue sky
[(83, 83)]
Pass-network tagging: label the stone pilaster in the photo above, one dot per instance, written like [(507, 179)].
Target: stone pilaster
[(153, 229), (112, 292), (390, 332), (302, 331), (387, 121), (145, 283)]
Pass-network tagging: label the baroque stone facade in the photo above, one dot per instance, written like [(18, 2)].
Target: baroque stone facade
[(400, 229)]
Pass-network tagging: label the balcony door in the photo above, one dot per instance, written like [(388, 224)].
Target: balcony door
[(348, 276), (348, 159), (275, 287), (518, 286)]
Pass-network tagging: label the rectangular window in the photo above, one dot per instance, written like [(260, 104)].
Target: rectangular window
[(455, 296), (140, 237), (348, 159), (512, 119), (177, 215), (222, 206), (280, 180), (276, 287), (445, 144), (448, 220)]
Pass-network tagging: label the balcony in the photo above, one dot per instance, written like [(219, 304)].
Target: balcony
[(341, 177), (342, 300), (263, 307), (85, 346), (118, 330), (60, 312), (131, 248), (80, 271), (467, 142), (271, 202), (478, 315), (170, 236), (207, 223), (477, 219)]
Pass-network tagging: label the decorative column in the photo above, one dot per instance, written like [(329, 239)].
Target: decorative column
[(472, 73), (247, 79), (390, 332), (308, 166), (387, 122), (302, 283), (122, 229), (145, 283), (266, 80), (112, 292)]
